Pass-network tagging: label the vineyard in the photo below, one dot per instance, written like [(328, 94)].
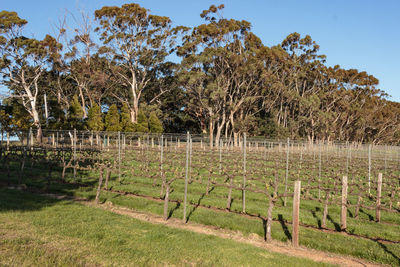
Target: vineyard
[(348, 196)]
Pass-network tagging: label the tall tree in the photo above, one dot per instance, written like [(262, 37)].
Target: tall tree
[(138, 43), (23, 62), (155, 125), (112, 119), (126, 123), (95, 118)]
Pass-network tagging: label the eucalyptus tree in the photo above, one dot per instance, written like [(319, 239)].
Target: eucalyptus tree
[(137, 42), (23, 62), (214, 56)]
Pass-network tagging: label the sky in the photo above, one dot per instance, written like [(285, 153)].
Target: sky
[(355, 34)]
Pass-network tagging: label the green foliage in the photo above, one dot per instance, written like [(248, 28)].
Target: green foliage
[(141, 126), (95, 118), (75, 115), (112, 119), (126, 122), (155, 125)]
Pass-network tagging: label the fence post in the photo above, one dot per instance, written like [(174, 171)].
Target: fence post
[(369, 169), (296, 211), (378, 198), (244, 174), (287, 170), (325, 214), (119, 156), (74, 143), (186, 175), (343, 213), (99, 186), (161, 145), (166, 202), (220, 157), (319, 171)]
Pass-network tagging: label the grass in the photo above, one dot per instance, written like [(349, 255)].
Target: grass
[(38, 231), (137, 178)]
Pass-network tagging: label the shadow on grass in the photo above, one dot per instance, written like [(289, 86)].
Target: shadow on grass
[(197, 205), (171, 212), (385, 248), (316, 217), (17, 200), (337, 226), (284, 227), (370, 217)]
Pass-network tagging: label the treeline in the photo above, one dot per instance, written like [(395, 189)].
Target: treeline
[(114, 71)]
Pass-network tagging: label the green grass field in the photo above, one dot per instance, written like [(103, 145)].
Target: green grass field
[(140, 175), (39, 231)]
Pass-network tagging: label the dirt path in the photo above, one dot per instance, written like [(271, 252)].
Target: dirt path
[(253, 239)]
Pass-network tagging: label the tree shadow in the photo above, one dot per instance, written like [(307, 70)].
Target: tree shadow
[(264, 221), (316, 217), (370, 217), (178, 204), (197, 205), (337, 226), (284, 227), (385, 248), (13, 199), (350, 213)]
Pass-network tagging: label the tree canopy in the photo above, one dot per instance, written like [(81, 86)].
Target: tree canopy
[(224, 81)]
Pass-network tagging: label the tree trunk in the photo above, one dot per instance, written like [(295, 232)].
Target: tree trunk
[(219, 130)]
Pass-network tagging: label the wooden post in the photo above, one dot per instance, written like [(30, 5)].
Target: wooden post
[(343, 213), (287, 171), (186, 176), (119, 156), (296, 213), (369, 169), (244, 175), (161, 144), (166, 202), (378, 198), (319, 171), (272, 200), (99, 187), (74, 153), (220, 157), (325, 214)]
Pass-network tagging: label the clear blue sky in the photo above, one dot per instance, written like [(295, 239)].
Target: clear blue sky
[(361, 34)]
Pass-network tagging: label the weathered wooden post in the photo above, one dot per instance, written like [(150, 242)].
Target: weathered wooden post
[(296, 213), (186, 175), (220, 156), (119, 156), (99, 186), (325, 214), (166, 197), (369, 169), (378, 198), (74, 148), (287, 171), (319, 171), (161, 144), (244, 174), (343, 213)]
